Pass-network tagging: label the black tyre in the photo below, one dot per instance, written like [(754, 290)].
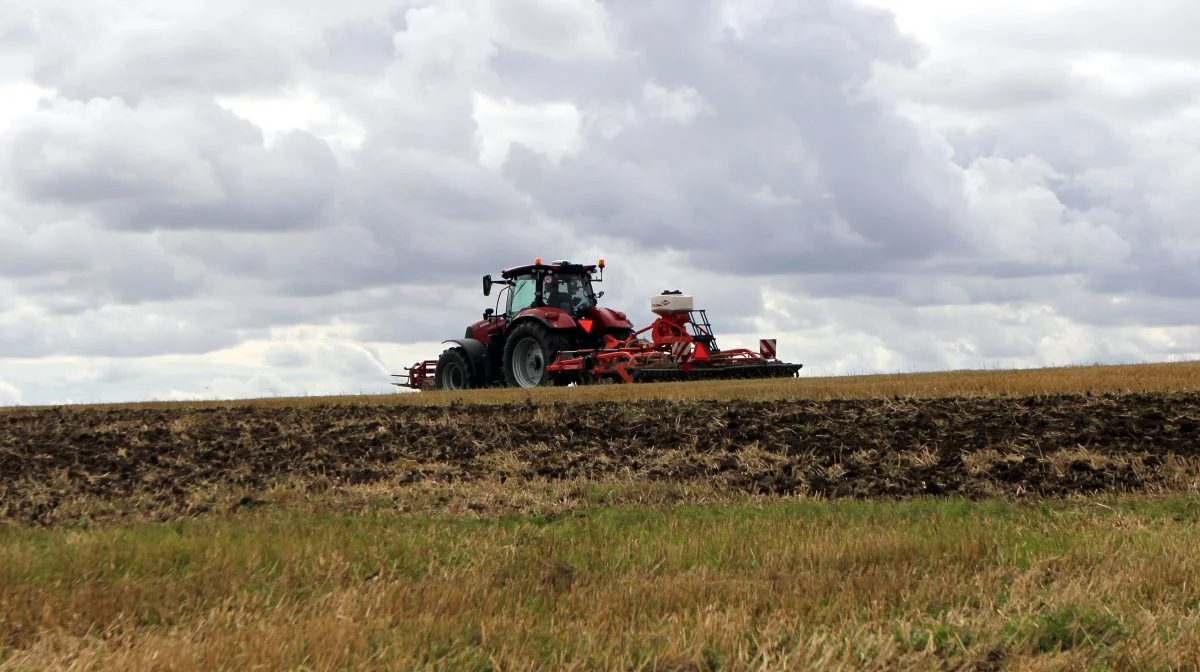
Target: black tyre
[(453, 371), (529, 349)]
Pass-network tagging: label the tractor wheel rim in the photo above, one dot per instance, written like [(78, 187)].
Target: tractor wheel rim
[(455, 378), (528, 364)]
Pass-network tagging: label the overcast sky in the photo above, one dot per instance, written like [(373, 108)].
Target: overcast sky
[(223, 199)]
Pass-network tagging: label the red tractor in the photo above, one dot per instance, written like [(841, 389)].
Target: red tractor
[(549, 308), (553, 332)]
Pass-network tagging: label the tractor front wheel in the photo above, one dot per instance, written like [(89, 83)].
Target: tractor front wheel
[(528, 350), (453, 371)]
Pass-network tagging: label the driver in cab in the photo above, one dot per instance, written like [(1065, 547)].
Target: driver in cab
[(556, 294)]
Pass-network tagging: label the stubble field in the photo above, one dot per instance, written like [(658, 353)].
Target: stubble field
[(974, 435), (492, 529)]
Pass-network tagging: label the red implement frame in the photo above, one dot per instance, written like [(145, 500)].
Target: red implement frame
[(672, 353), (419, 376)]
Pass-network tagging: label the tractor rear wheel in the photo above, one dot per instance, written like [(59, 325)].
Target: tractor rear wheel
[(453, 371), (528, 350)]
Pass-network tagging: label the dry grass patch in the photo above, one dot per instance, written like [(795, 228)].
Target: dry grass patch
[(914, 585)]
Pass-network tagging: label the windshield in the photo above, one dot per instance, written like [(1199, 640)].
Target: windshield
[(568, 292), (523, 293)]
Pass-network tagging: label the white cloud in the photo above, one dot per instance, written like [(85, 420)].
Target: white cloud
[(303, 110), (551, 129), (554, 29), (680, 104), (10, 395), (1021, 220), (18, 100)]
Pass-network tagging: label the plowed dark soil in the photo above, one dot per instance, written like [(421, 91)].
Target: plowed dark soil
[(158, 459)]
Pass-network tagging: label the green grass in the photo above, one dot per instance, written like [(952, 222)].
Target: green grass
[(909, 584)]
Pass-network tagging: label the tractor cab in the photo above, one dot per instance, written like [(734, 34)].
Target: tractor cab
[(559, 285)]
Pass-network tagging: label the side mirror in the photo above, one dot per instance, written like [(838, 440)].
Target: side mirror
[(487, 285)]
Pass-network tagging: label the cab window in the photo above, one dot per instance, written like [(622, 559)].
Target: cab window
[(569, 292), (524, 290)]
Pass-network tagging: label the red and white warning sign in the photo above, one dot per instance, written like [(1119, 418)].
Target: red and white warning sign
[(680, 349), (766, 348)]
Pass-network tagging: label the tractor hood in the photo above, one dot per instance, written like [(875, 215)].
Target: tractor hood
[(607, 318)]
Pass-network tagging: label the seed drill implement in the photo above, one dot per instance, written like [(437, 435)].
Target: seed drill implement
[(553, 331)]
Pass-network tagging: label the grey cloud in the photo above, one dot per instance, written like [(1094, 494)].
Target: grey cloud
[(121, 281), (193, 48), (108, 331), (32, 251), (589, 83), (232, 310), (1010, 86), (302, 264), (1071, 139), (916, 289), (133, 56), (287, 356), (982, 83), (202, 168), (1086, 300), (70, 265), (1154, 28), (1075, 298), (436, 218), (1118, 194), (1101, 129), (1157, 275), (77, 153), (846, 187), (18, 37), (361, 49), (292, 185), (862, 336), (217, 47), (561, 30), (17, 30), (145, 60), (933, 338), (341, 359), (1131, 308)]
